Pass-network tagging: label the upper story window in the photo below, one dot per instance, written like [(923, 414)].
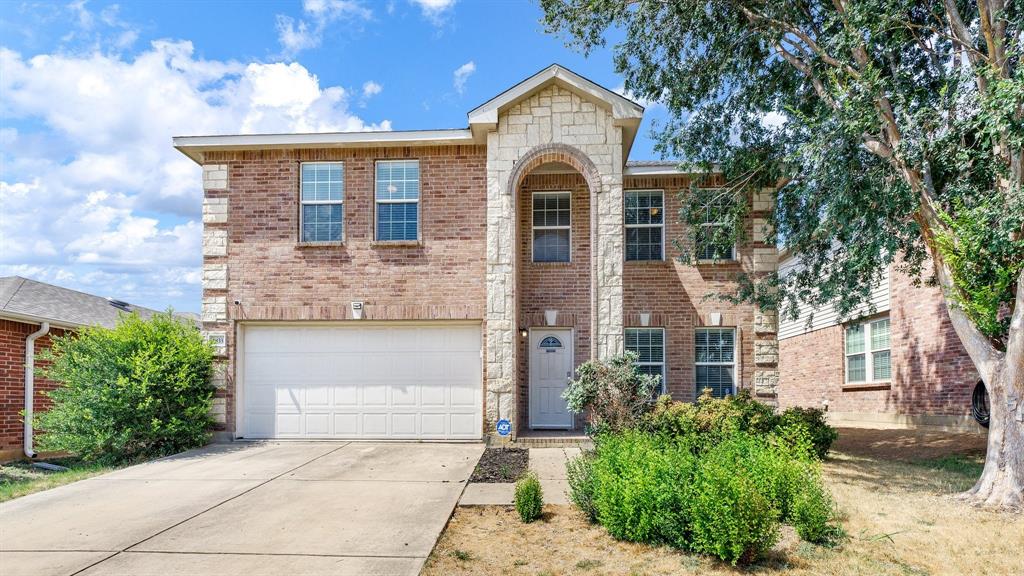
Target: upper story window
[(715, 360), (868, 357), (645, 225), (398, 200), (715, 204), (322, 197), (551, 226), (649, 346)]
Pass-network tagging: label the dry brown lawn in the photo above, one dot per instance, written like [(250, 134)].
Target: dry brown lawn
[(894, 490)]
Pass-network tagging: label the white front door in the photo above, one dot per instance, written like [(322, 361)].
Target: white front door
[(550, 370)]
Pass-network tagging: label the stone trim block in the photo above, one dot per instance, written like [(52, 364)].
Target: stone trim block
[(215, 242), (215, 210), (766, 382), (219, 410), (766, 352), (215, 309), (215, 177), (219, 339), (762, 231), (219, 375), (215, 276), (763, 198), (766, 322)]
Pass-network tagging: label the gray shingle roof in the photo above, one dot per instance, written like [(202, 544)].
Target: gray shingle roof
[(29, 298)]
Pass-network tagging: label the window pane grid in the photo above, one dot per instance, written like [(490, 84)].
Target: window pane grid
[(552, 220), (649, 346), (716, 203), (644, 215), (714, 355), (322, 194), (397, 195), (868, 358)]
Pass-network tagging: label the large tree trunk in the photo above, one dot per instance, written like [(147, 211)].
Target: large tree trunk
[(1002, 481)]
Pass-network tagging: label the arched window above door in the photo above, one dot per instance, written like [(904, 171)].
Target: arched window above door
[(550, 342)]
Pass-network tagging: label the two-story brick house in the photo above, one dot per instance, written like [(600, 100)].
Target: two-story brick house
[(427, 284)]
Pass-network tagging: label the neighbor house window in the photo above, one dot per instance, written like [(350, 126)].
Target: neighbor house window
[(398, 200), (714, 205), (645, 225), (868, 358), (322, 195), (649, 346), (551, 226), (715, 360)]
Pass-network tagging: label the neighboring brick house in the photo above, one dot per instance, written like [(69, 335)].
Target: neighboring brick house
[(30, 314), (900, 365), (429, 284)]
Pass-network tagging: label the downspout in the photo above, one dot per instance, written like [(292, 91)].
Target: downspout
[(30, 357)]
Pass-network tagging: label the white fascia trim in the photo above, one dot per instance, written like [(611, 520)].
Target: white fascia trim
[(30, 319), (194, 146)]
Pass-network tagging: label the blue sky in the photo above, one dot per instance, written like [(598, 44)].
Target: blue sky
[(93, 197)]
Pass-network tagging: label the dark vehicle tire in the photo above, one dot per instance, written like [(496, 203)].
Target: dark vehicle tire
[(979, 404)]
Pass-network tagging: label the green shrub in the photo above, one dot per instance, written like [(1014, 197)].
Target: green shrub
[(813, 419), (813, 513), (612, 393), (529, 498), (640, 487), (731, 517), (580, 476), (138, 391)]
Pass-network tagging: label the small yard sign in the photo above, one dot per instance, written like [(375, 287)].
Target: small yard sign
[(504, 427)]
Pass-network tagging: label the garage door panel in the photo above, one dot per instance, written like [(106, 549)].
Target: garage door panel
[(372, 381)]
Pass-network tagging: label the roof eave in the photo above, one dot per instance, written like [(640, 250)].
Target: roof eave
[(33, 319)]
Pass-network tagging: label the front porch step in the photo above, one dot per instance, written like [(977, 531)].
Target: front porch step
[(535, 440)]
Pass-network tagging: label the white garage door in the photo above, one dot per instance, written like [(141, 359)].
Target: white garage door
[(365, 381)]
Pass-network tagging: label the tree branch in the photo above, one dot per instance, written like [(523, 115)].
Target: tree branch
[(1015, 344)]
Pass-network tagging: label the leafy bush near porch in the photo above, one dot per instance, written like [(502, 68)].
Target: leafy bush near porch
[(138, 391), (529, 498), (612, 393), (725, 499), (715, 419)]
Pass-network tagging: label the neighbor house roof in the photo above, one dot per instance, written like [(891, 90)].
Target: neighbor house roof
[(31, 301), (625, 113)]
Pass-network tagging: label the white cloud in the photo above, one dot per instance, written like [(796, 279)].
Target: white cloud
[(298, 35), (435, 10), (645, 102), (91, 187), (371, 89), (773, 120), (461, 74)]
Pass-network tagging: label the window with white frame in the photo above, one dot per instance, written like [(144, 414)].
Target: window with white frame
[(649, 346), (398, 200), (715, 204), (645, 225), (715, 360), (552, 223), (322, 195), (868, 357)]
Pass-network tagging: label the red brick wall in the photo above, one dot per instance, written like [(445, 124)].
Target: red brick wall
[(12, 381), (680, 298), (441, 277), (562, 286), (932, 374)]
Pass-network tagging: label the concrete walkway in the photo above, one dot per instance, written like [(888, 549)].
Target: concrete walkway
[(246, 509), (547, 463)]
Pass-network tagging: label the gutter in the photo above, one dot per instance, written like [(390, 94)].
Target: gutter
[(30, 357)]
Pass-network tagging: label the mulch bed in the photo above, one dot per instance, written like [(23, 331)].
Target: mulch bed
[(501, 465)]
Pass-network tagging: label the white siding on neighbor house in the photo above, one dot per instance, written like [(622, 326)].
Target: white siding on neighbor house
[(826, 316)]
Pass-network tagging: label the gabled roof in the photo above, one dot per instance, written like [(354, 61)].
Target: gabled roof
[(31, 301), (624, 111)]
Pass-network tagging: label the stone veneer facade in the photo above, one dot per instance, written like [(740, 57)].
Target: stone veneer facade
[(471, 263)]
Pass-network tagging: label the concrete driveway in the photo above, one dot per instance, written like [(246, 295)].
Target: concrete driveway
[(246, 509)]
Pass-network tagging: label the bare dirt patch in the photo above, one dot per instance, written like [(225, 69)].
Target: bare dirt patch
[(501, 465), (897, 510)]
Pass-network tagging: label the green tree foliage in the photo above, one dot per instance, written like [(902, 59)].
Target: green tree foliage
[(876, 114), (138, 391)]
